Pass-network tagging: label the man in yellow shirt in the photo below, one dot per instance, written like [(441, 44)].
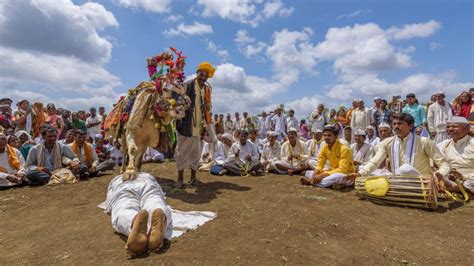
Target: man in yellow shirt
[(340, 163)]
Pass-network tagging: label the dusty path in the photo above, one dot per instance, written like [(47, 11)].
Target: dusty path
[(263, 220)]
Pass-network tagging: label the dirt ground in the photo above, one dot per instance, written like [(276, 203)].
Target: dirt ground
[(260, 220)]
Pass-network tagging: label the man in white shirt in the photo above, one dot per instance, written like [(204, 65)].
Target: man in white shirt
[(291, 120), (313, 146), (438, 114), (12, 164), (458, 151), (93, 123), (243, 158), (237, 121), (262, 125), (361, 117), (229, 125), (294, 158), (212, 153), (372, 138), (279, 121), (271, 152), (361, 151), (318, 118)]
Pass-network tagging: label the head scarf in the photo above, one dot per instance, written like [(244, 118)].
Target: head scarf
[(205, 66), (464, 109)]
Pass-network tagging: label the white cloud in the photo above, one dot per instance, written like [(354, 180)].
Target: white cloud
[(248, 45), (51, 50), (408, 31), (28, 25), (251, 12), (99, 16), (361, 49), (221, 53), (353, 14), (155, 6), (189, 30), (173, 18)]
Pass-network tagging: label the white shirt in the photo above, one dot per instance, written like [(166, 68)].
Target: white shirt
[(92, 131), (218, 155), (319, 122), (292, 122), (280, 123), (262, 127), (361, 119), (10, 170), (244, 151), (459, 154), (271, 153), (438, 116)]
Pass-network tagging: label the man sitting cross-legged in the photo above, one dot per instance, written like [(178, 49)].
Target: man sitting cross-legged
[(314, 145), (340, 163), (243, 158), (271, 152), (458, 151), (294, 158), (362, 152), (90, 165), (49, 156), (139, 211), (12, 164)]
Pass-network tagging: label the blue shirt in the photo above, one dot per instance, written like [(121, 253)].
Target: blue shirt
[(418, 112)]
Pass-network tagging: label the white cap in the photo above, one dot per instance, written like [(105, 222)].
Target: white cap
[(458, 119), (383, 124), (99, 136), (377, 98), (359, 132), (317, 130), (292, 129), (371, 127), (272, 133), (227, 136)]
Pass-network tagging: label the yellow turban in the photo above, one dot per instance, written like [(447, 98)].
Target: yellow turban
[(205, 66)]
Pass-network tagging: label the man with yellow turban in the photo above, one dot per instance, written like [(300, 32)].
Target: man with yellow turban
[(197, 119)]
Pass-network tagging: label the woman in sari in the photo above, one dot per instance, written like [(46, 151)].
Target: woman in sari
[(25, 142), (462, 104)]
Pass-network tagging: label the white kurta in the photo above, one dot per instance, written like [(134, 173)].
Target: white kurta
[(10, 170), (437, 117), (460, 156), (361, 119), (362, 155), (126, 198), (244, 151), (217, 153), (313, 148), (292, 122)]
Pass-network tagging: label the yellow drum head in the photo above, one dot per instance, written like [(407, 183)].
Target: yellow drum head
[(377, 186)]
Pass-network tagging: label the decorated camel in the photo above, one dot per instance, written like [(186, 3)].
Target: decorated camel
[(144, 117)]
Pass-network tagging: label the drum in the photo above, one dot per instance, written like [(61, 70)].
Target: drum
[(411, 191)]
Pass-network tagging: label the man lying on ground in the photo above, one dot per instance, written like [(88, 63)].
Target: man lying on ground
[(139, 211)]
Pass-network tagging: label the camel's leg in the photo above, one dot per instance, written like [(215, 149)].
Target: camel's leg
[(131, 172), (124, 154), (139, 158)]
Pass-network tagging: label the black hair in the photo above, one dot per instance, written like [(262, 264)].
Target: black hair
[(331, 129), (404, 117), (47, 129)]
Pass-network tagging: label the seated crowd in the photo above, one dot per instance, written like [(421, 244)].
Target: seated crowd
[(41, 145), (336, 147)]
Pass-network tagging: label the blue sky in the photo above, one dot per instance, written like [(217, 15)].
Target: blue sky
[(301, 53)]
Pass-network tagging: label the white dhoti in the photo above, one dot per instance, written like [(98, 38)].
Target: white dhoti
[(188, 152), (126, 198), (331, 179), (313, 163)]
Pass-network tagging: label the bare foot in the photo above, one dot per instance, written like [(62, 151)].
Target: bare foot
[(157, 231), (137, 240)]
